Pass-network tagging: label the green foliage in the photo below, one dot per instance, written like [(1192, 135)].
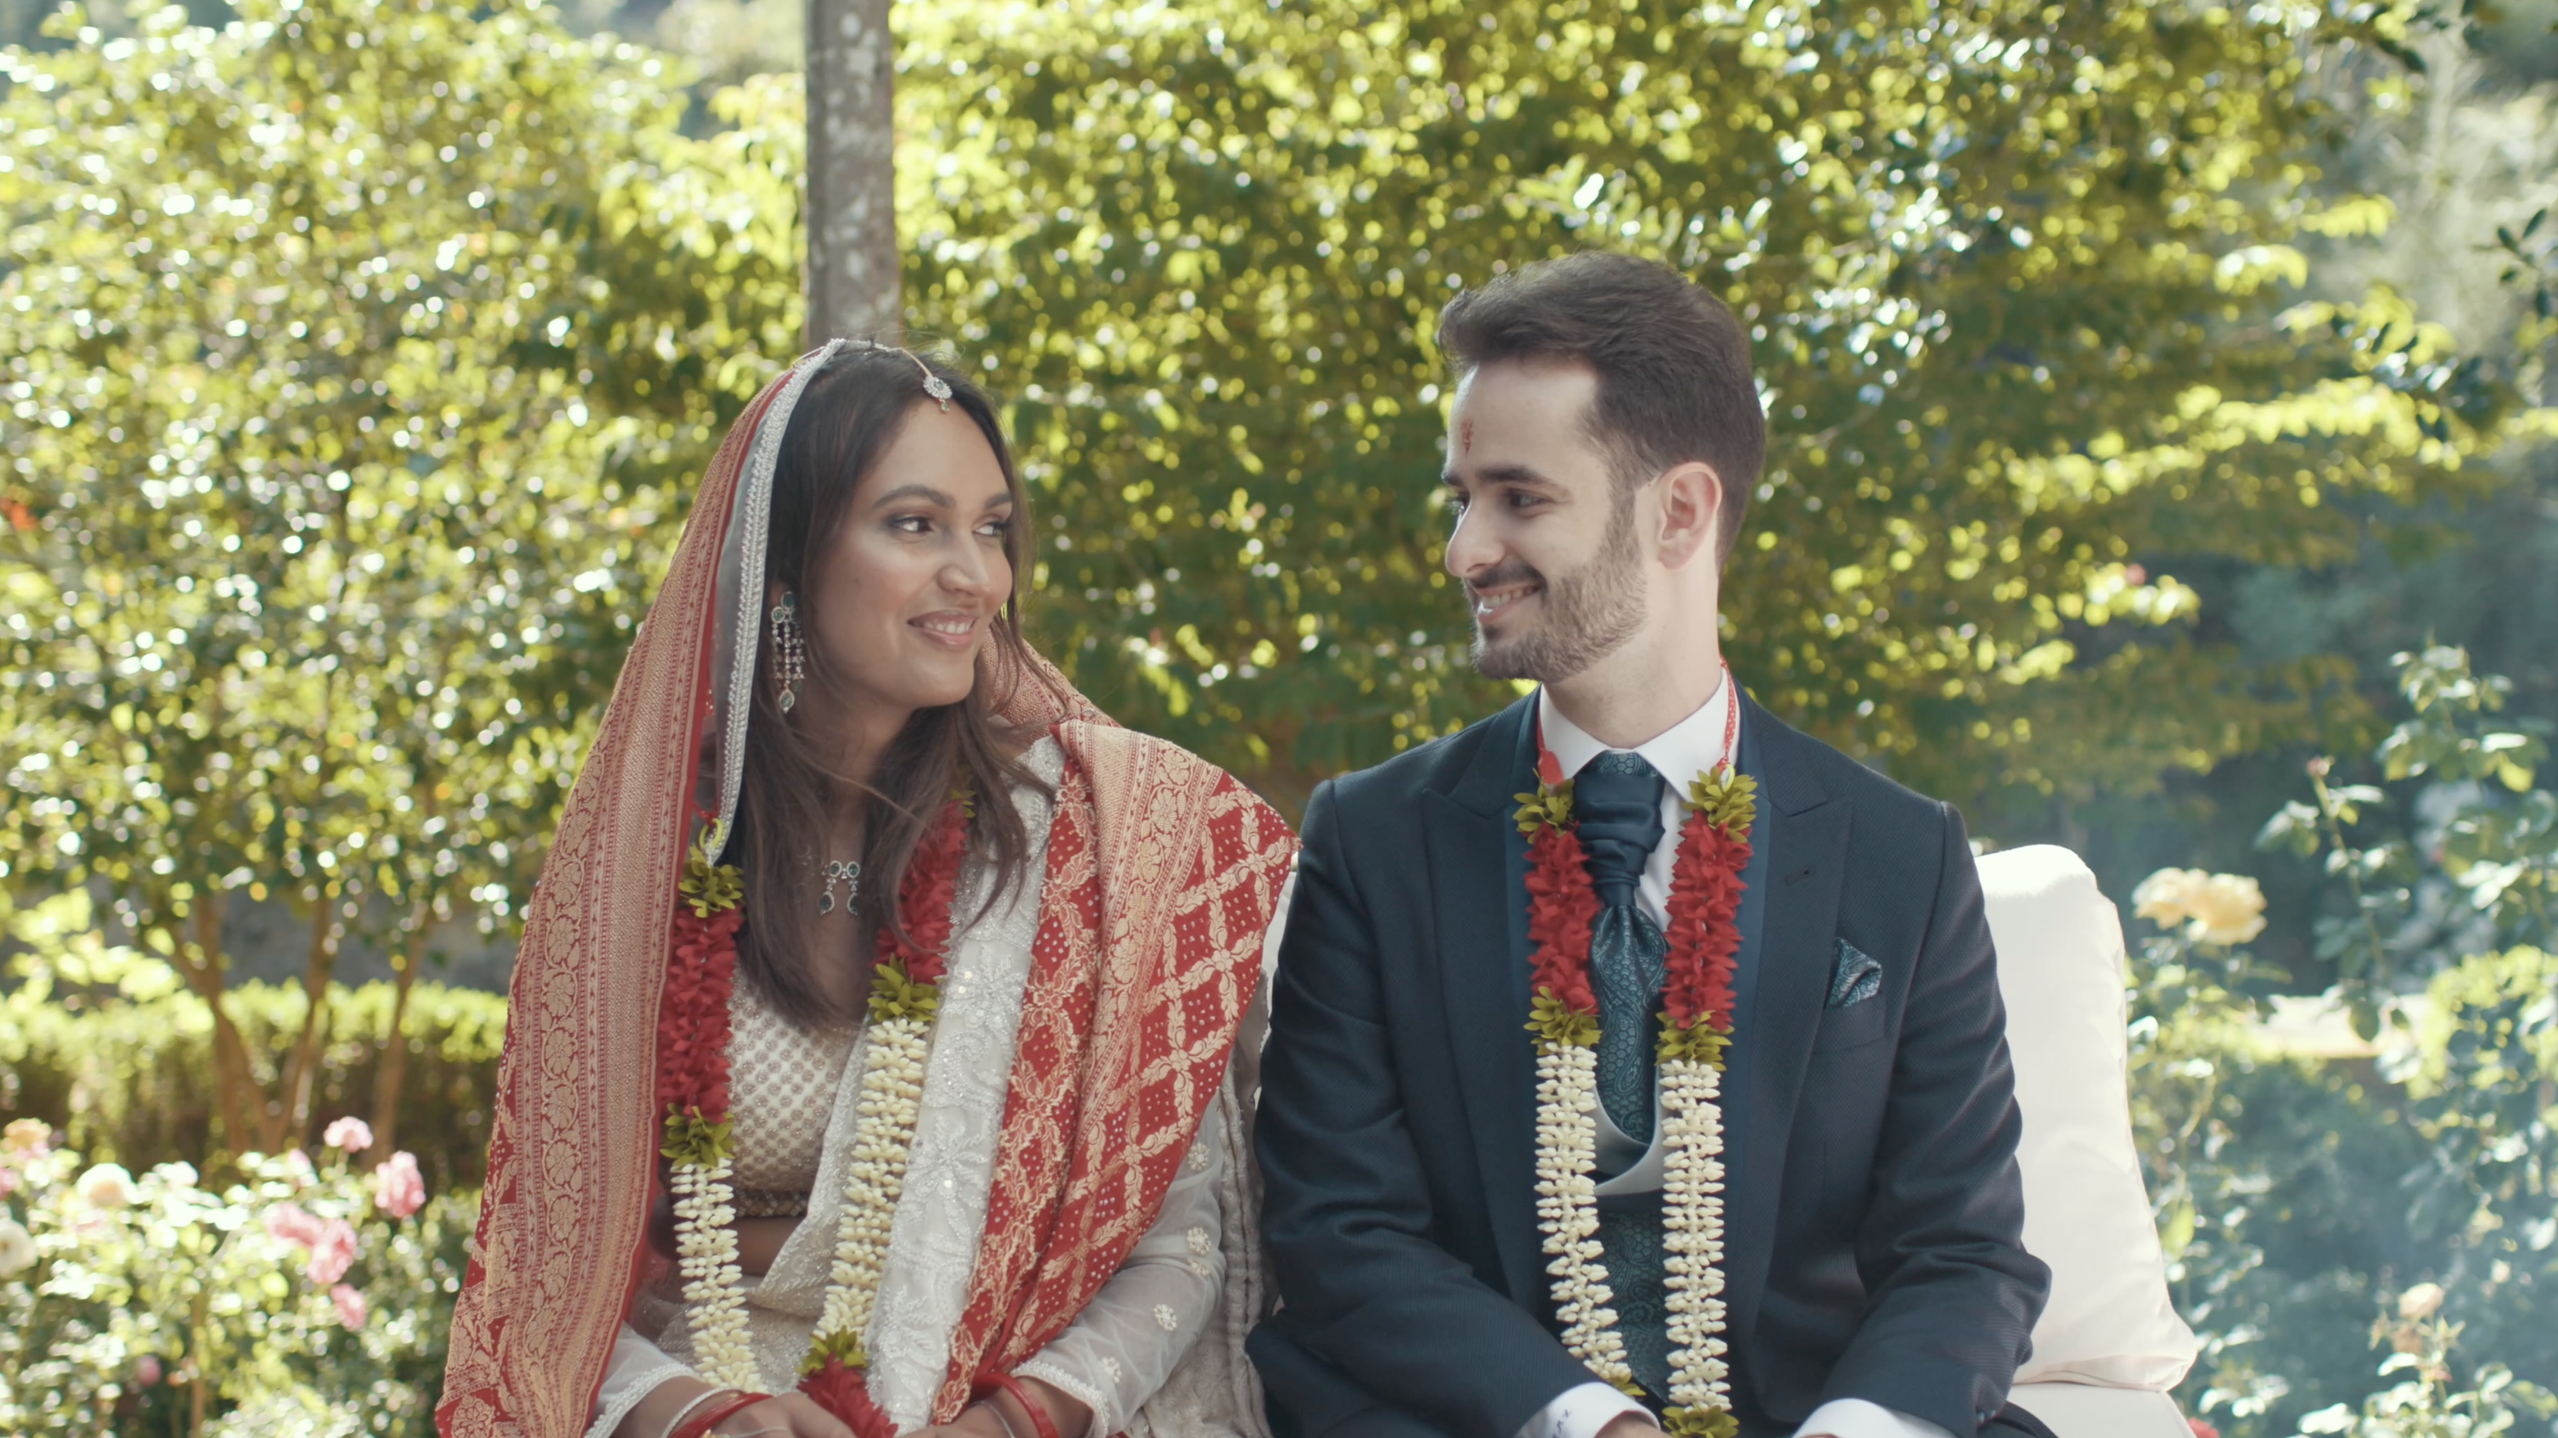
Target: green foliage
[(2292, 1186), (131, 1081), (2425, 1404), (2017, 275), (2475, 871), (155, 1304), (360, 357)]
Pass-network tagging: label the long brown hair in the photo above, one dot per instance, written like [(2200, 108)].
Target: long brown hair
[(846, 419)]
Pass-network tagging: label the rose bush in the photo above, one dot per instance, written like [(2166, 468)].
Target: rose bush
[(305, 1297)]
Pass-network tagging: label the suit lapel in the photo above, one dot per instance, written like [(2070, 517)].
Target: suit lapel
[(1476, 882), (1806, 841)]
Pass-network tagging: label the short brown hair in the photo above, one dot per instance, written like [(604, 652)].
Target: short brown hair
[(1673, 363)]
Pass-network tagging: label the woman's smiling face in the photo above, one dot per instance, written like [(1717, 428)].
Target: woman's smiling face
[(908, 590)]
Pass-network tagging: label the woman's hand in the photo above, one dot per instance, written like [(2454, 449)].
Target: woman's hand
[(999, 1415)]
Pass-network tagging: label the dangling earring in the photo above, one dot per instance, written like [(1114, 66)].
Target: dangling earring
[(790, 647)]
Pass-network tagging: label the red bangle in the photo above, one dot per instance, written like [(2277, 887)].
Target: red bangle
[(1039, 1418), (721, 1413)]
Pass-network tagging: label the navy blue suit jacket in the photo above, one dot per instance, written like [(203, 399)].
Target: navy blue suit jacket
[(1873, 1212)]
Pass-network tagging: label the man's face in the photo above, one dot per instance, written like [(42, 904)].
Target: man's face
[(1544, 541)]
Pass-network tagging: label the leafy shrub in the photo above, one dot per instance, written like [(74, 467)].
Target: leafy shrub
[(131, 1081), (2294, 1189)]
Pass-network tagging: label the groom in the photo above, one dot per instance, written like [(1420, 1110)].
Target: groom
[(1605, 438)]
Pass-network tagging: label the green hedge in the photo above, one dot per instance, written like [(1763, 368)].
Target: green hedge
[(132, 1082)]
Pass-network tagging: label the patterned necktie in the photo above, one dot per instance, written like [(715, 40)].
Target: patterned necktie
[(1616, 802)]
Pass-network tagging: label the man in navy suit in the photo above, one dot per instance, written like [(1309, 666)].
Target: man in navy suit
[(1604, 441)]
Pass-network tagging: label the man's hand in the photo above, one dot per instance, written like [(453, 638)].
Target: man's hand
[(793, 1415), (975, 1421)]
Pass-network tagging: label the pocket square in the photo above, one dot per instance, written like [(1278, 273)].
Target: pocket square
[(1855, 978)]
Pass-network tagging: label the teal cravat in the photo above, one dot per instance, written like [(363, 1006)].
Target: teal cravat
[(1616, 809)]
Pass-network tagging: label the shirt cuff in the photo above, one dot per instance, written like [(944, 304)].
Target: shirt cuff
[(1862, 1418), (1581, 1412)]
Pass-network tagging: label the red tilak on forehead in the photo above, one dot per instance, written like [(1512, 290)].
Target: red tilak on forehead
[(1465, 436)]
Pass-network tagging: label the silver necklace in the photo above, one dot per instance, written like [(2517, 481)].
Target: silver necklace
[(847, 872)]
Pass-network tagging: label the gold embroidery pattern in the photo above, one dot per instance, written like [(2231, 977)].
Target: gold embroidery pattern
[(1187, 865), (572, 1155)]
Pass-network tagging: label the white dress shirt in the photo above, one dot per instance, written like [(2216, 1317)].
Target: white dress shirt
[(1680, 753)]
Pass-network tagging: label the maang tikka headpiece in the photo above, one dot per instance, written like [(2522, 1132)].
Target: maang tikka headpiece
[(934, 384)]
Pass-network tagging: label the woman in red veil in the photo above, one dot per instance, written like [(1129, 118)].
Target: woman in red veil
[(878, 1050)]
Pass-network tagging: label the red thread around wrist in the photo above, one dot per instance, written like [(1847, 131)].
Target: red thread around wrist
[(719, 1413)]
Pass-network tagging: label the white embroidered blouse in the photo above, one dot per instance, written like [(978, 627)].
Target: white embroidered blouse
[(792, 1102)]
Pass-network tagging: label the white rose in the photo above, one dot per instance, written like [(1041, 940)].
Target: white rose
[(106, 1186), (2226, 909), (17, 1249)]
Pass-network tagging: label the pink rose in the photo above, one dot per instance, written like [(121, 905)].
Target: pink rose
[(350, 1305), (333, 1255), (398, 1188), (8, 1182), (350, 1133), (147, 1372), (289, 1223)]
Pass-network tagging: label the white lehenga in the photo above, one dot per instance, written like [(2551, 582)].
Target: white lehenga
[(1159, 1350)]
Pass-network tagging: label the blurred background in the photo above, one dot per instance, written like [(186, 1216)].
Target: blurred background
[(2158, 467)]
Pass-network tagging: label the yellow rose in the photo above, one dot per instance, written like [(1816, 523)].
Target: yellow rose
[(2164, 898), (2226, 909)]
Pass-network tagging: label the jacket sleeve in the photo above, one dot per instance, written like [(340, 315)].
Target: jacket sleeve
[(1382, 1330), (1952, 1293)]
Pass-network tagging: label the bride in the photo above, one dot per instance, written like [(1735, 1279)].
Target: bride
[(873, 1062)]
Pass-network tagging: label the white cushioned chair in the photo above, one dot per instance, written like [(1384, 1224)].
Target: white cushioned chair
[(2109, 1346)]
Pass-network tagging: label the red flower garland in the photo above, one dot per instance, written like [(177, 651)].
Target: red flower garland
[(925, 897), (1705, 933), (844, 1391), (1562, 908), (692, 1015)]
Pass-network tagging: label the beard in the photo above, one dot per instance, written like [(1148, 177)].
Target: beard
[(1588, 613)]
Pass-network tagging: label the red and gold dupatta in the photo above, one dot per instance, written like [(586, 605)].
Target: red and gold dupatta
[(1162, 876)]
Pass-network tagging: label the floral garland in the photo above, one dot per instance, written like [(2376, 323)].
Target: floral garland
[(905, 996), (692, 1091), (1703, 936)]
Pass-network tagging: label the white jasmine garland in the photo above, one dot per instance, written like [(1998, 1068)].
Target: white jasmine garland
[(1568, 1206), (1692, 1220), (888, 1106), (714, 1284)]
